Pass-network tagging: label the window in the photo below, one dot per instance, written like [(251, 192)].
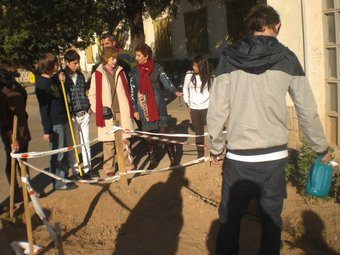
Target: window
[(162, 30), (196, 34), (331, 23)]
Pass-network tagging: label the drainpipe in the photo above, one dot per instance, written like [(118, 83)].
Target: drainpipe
[(304, 38)]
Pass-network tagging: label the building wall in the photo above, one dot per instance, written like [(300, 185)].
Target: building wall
[(216, 24), (302, 32)]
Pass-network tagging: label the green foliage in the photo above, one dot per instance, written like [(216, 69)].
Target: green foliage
[(297, 170), (29, 28)]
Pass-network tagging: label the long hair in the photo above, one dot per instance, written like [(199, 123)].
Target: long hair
[(204, 72)]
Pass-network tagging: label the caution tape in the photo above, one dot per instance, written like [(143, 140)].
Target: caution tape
[(143, 134), (189, 163), (18, 247), (56, 177), (40, 212), (134, 133), (34, 154)]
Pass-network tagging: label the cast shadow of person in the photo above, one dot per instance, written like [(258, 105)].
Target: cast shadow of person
[(174, 128), (97, 156), (181, 128), (154, 224), (312, 240)]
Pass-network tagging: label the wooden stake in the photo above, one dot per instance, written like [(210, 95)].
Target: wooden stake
[(27, 209), (59, 247), (13, 172), (121, 159)]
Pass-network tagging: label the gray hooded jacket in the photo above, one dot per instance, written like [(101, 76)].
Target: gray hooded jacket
[(249, 98)]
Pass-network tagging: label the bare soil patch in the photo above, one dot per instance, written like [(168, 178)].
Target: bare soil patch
[(172, 212)]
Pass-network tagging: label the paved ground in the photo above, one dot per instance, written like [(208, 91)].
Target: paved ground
[(178, 118)]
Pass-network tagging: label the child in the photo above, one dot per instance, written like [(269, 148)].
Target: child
[(79, 107), (196, 88), (53, 116)]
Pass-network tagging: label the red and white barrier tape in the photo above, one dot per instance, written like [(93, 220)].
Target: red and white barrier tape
[(153, 136), (60, 150)]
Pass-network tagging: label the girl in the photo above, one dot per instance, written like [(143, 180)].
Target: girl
[(197, 84)]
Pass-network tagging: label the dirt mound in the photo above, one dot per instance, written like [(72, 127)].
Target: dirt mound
[(172, 212)]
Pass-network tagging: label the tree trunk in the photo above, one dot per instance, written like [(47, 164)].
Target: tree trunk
[(134, 11)]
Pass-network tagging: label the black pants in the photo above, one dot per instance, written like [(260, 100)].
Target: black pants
[(243, 181), (7, 145), (199, 120)]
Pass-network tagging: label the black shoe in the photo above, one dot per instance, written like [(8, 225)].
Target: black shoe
[(94, 175), (69, 186), (85, 176), (77, 177)]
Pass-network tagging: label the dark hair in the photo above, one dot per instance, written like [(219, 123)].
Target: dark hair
[(108, 35), (106, 54), (204, 72), (145, 49), (260, 16), (71, 55), (47, 62)]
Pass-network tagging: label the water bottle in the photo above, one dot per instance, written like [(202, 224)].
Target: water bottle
[(319, 178)]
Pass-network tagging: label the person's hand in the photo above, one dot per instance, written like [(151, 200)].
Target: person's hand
[(216, 159), (136, 115), (328, 157), (179, 94), (61, 77), (47, 137)]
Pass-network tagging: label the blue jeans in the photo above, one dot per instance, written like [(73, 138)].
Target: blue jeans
[(58, 164), (243, 181)]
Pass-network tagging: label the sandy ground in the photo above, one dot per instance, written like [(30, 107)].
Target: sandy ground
[(170, 212)]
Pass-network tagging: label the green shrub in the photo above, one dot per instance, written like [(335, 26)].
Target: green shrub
[(298, 167)]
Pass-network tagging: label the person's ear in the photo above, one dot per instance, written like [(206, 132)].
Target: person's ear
[(277, 27)]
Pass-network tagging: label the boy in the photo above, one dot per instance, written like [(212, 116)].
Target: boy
[(79, 107), (53, 116)]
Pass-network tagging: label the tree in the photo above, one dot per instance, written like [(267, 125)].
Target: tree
[(29, 28), (130, 14)]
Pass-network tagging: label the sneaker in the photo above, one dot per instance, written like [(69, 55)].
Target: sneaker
[(94, 175), (69, 186)]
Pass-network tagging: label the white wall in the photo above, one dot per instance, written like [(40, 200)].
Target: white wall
[(291, 35)]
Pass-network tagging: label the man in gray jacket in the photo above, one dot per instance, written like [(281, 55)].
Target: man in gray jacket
[(249, 97)]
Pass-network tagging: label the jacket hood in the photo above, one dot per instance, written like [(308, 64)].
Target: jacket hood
[(254, 54)]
